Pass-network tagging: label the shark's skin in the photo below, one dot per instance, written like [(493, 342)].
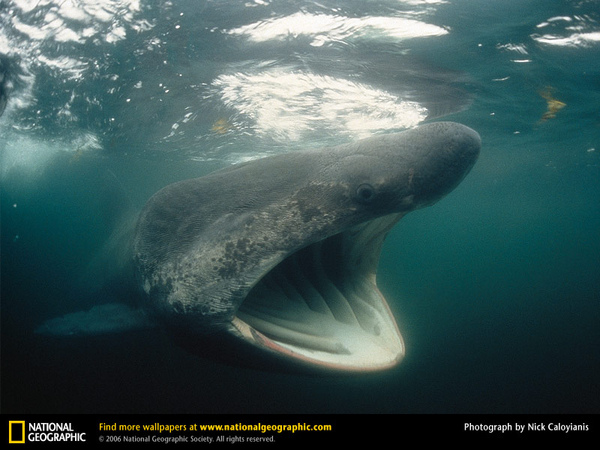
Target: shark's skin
[(278, 257)]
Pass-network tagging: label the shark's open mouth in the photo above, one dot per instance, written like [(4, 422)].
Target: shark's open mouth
[(321, 305)]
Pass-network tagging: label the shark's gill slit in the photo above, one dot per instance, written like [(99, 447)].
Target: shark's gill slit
[(326, 279), (300, 276)]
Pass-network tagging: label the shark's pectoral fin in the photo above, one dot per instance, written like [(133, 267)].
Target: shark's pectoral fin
[(100, 319)]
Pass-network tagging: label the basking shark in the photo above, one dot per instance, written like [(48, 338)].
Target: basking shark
[(276, 259)]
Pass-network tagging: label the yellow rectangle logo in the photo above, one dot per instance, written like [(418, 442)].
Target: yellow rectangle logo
[(16, 435)]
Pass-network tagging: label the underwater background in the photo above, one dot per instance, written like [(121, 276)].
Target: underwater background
[(496, 289)]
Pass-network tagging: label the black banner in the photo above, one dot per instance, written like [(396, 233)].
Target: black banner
[(272, 430)]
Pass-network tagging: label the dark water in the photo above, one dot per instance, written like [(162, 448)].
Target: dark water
[(496, 289)]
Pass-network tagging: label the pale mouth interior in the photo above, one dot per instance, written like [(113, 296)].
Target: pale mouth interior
[(322, 306)]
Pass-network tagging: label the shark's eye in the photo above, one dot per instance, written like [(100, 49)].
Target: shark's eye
[(365, 193)]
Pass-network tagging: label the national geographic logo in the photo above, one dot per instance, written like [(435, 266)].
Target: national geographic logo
[(20, 432)]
